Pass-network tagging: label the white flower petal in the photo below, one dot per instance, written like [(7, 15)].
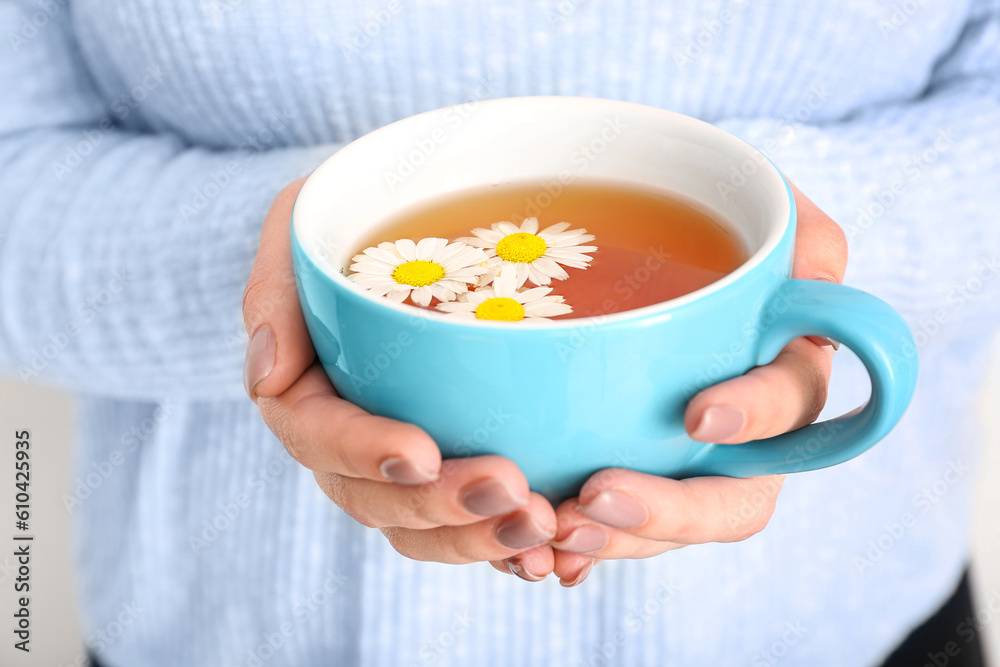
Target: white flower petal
[(429, 247), (506, 228), (562, 230), (369, 279), (468, 278), (372, 282), (475, 269), (572, 243), (543, 308), (491, 236), (529, 225), (456, 286), (573, 263), (476, 243), (549, 268), (505, 284), (531, 294), (573, 252), (467, 257), (467, 282), (507, 280), (579, 261), (579, 248), (382, 255), (537, 277), (554, 229), (463, 314), (523, 271), (488, 277), (477, 255), (373, 267), (422, 295), (480, 295), (457, 307), (398, 294), (407, 249), (449, 252), (442, 293)]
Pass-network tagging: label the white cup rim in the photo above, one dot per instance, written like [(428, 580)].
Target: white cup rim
[(773, 239)]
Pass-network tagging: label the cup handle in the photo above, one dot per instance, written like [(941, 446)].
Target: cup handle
[(880, 338)]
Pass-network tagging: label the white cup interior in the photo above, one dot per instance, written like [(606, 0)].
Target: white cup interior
[(541, 139)]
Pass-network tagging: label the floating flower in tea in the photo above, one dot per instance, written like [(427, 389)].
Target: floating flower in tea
[(535, 255), (431, 268), (505, 302), (499, 260)]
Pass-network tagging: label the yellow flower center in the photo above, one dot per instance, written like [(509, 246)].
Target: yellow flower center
[(521, 247), (418, 273), (500, 308)]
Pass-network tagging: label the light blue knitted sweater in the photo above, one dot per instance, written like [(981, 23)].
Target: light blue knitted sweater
[(140, 145)]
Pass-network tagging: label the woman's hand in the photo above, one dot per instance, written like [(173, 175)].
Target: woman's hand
[(625, 514), (389, 475), (384, 473)]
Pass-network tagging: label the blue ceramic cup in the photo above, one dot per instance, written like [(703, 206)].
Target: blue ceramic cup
[(566, 398)]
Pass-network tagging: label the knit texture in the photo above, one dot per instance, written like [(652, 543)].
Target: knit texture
[(141, 143)]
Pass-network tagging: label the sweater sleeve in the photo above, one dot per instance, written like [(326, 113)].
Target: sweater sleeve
[(915, 185), (123, 253)]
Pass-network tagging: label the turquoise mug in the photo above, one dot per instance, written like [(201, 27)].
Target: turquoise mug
[(566, 398)]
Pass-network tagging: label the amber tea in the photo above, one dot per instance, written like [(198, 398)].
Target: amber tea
[(616, 247)]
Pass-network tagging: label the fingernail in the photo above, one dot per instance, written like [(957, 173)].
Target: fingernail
[(617, 509), (584, 540), (584, 573), (521, 532), (823, 341), (491, 497), (516, 567), (404, 471), (824, 276), (720, 422), (260, 359)]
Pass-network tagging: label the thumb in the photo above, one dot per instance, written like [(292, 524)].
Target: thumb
[(279, 350), (820, 243)]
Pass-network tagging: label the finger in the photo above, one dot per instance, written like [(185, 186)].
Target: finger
[(572, 568), (580, 537), (820, 249), (488, 540), (587, 537), (467, 491), (327, 434), (789, 392), (279, 349), (532, 565), (820, 243), (642, 515), (784, 395), (501, 566)]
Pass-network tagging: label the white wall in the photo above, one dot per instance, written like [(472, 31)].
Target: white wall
[(986, 532)]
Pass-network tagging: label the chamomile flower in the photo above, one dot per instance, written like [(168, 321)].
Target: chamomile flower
[(505, 302), (431, 268), (535, 255)]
